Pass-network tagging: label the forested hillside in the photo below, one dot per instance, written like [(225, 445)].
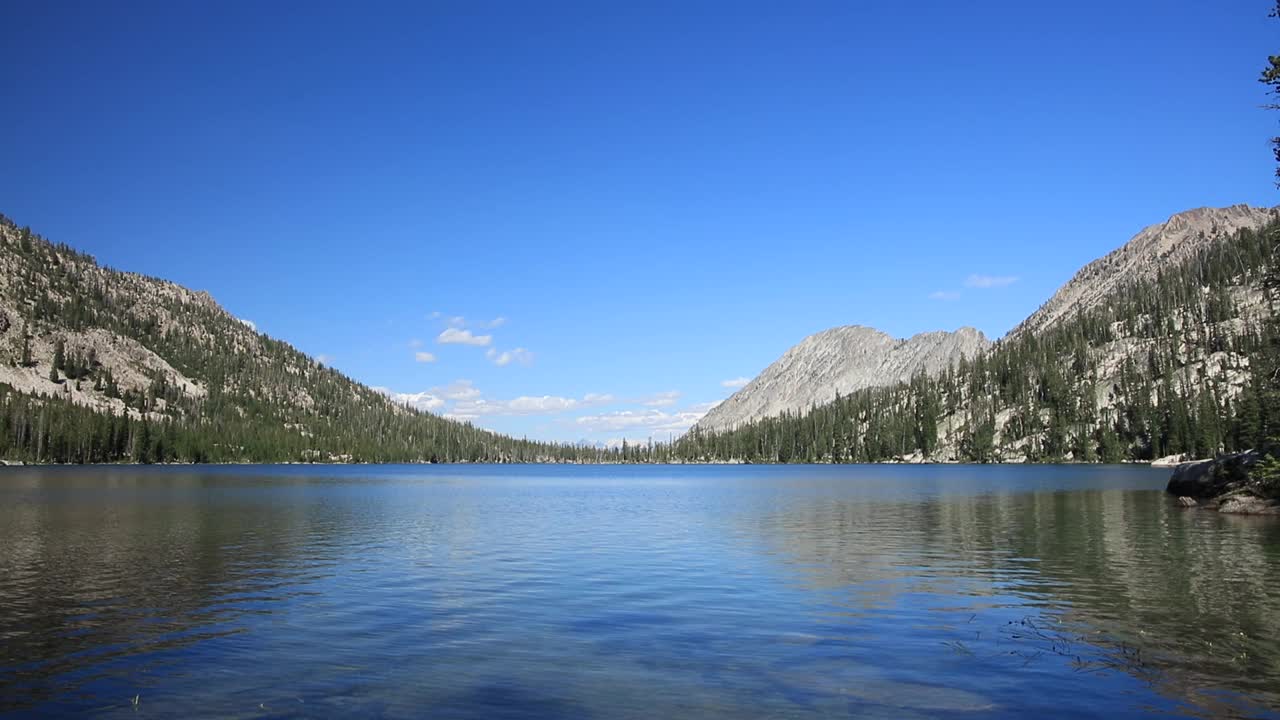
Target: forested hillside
[(98, 365), (1180, 362)]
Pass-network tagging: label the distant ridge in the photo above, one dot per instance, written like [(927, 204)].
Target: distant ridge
[(840, 361), (1163, 350), (1141, 258), (850, 358), (98, 365)]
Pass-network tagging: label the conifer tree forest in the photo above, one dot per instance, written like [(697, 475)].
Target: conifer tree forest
[(1268, 372), (262, 400), (1184, 364), (1166, 367)]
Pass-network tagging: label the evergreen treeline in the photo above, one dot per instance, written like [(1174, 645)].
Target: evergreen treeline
[(53, 429), (264, 401), (1160, 367)]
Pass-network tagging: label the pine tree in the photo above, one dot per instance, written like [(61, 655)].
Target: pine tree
[(1109, 447), (1271, 78)]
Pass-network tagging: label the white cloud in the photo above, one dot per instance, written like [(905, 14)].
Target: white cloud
[(523, 405), (454, 320), (666, 398), (472, 409), (459, 390), (990, 281), (468, 403), (944, 295), (249, 324), (415, 343), (735, 382), (462, 400), (652, 420), (454, 336), (506, 357), (494, 323), (537, 405), (424, 357), (421, 401)]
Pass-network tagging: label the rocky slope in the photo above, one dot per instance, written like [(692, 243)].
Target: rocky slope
[(1225, 485), (1156, 247), (1160, 348), (99, 365), (27, 345), (840, 361), (161, 344), (847, 359)]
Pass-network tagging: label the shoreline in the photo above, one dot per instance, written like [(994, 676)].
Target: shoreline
[(284, 463)]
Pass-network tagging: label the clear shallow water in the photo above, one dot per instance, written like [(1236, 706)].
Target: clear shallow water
[(630, 592)]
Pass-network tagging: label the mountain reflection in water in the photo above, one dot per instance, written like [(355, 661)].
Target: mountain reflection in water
[(630, 592)]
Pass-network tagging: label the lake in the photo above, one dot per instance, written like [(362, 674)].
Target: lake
[(630, 592)]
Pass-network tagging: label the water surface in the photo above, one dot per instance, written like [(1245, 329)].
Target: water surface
[(630, 592)]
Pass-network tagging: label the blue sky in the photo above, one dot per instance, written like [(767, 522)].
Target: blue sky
[(633, 202)]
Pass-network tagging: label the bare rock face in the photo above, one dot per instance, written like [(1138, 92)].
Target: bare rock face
[(1156, 247), (4, 322), (1224, 484), (840, 361), (1247, 504), (1207, 479)]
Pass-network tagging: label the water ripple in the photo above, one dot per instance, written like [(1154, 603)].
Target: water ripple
[(630, 592)]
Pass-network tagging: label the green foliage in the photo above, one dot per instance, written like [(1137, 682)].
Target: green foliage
[(1264, 411), (1034, 397), (1266, 473), (259, 399), (1271, 78)]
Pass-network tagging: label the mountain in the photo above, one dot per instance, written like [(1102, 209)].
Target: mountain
[(837, 362), (846, 359), (1143, 257), (98, 365), (1168, 346)]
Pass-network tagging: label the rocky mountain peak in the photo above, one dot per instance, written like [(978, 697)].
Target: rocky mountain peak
[(853, 357), (840, 361), (1142, 257)]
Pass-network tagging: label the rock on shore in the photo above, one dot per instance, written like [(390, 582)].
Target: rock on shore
[(1223, 484)]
